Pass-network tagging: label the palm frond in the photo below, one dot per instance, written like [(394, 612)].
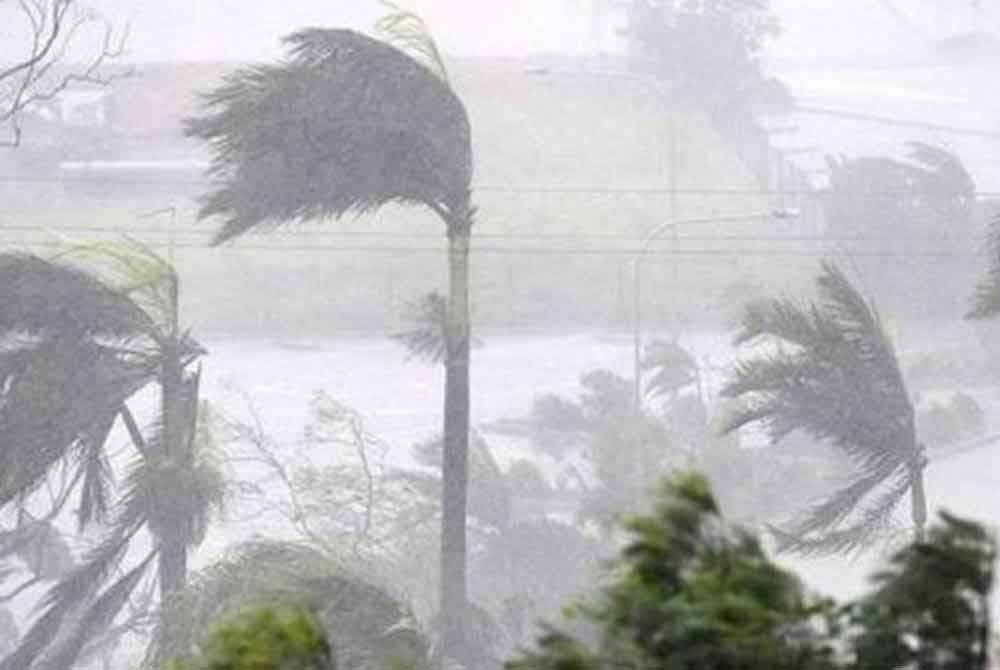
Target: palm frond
[(43, 550), (40, 296), (131, 269), (874, 521), (832, 373), (840, 504), (362, 618), (672, 367), (95, 618), (95, 488), (53, 396), (179, 495), (427, 339), (407, 31), (76, 589), (346, 124)]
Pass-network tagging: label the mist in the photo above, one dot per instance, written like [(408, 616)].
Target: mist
[(399, 311)]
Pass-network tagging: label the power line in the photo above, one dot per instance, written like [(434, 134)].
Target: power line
[(333, 236), (507, 188), (540, 251), (333, 233)]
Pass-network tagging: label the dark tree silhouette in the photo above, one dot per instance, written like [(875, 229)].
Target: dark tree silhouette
[(348, 124), (930, 607), (832, 373), (688, 592)]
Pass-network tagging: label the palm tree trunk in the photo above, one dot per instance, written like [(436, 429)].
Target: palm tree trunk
[(918, 498), (172, 547), (455, 474)]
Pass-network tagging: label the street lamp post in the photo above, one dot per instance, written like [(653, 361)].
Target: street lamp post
[(637, 278)]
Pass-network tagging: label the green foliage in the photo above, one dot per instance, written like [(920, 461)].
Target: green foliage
[(831, 372), (689, 593), (930, 607), (271, 638)]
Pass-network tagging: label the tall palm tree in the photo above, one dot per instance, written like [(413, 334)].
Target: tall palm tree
[(348, 123), (831, 372), (78, 345)]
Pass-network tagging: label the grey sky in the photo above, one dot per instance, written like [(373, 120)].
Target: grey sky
[(814, 30)]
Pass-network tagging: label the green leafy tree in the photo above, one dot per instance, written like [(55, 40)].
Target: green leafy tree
[(831, 372), (689, 593), (929, 609), (80, 344), (348, 124), (265, 638)]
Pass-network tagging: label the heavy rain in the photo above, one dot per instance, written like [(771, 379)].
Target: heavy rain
[(579, 334)]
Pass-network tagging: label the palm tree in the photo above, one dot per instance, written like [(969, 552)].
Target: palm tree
[(369, 627), (78, 346), (832, 373), (348, 124)]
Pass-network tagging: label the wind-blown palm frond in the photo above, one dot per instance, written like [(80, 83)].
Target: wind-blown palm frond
[(408, 32), (179, 496), (832, 373), (71, 353), (133, 270), (986, 300), (366, 623), (85, 332), (426, 339), (98, 478), (95, 618), (39, 296), (55, 395), (347, 123), (68, 596), (671, 365)]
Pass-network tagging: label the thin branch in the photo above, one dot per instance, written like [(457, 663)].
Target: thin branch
[(51, 37)]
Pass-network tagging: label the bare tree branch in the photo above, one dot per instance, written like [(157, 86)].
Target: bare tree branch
[(53, 27)]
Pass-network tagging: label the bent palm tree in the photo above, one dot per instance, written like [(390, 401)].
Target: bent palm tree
[(349, 124), (368, 626), (78, 345), (833, 374)]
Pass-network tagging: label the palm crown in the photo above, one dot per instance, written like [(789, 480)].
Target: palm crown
[(347, 123), (833, 374)]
